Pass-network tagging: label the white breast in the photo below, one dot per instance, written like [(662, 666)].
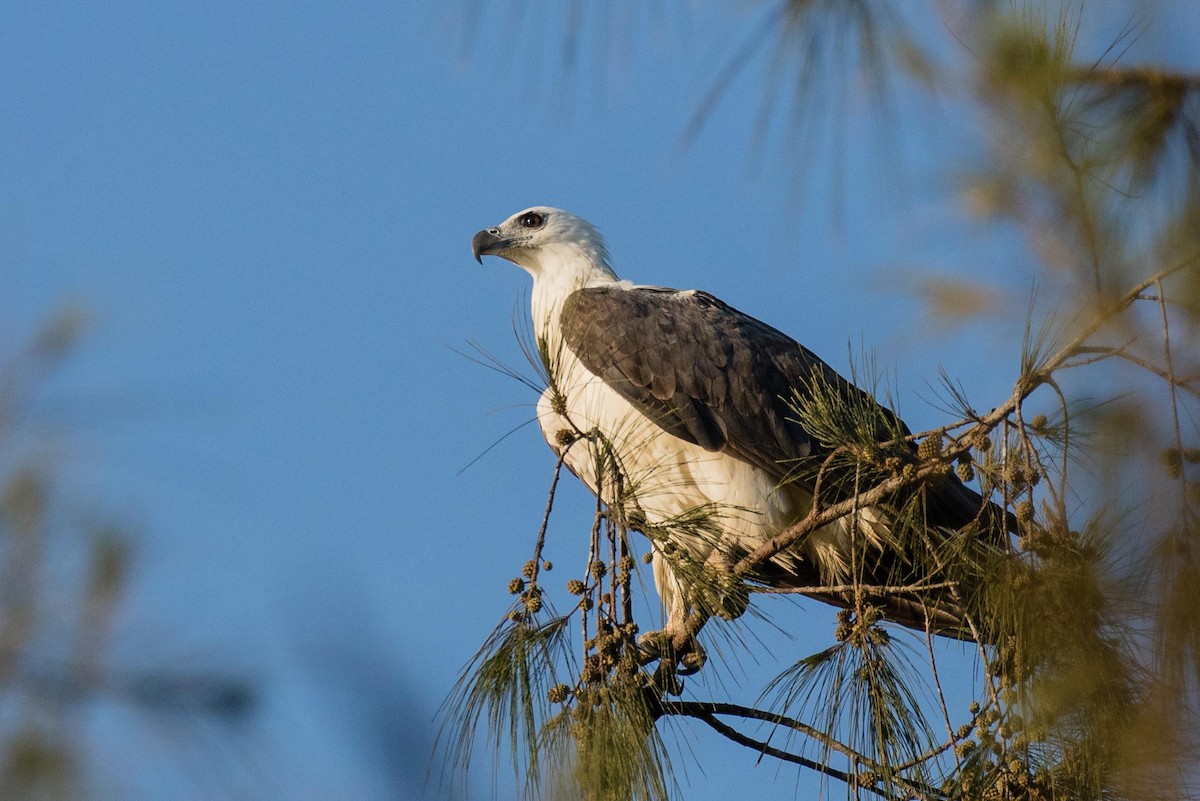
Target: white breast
[(665, 477)]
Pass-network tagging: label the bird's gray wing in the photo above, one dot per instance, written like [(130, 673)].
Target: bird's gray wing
[(701, 370), (716, 377)]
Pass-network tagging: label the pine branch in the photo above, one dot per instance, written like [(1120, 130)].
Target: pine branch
[(869, 589), (1100, 353), (707, 712)]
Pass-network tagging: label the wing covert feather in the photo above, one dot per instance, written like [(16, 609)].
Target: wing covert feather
[(699, 368)]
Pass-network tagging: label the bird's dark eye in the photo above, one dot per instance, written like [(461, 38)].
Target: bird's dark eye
[(531, 219)]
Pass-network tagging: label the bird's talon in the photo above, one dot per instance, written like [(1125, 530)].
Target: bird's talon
[(692, 661), (650, 646), (666, 680)]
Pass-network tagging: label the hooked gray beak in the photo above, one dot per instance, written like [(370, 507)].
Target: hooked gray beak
[(486, 242)]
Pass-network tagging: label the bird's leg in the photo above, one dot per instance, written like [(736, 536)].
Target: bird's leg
[(681, 643), (676, 642), (651, 643), (730, 598), (674, 646)]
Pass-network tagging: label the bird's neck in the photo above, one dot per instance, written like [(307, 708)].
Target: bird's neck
[(553, 282)]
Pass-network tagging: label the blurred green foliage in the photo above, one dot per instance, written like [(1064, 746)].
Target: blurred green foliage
[(61, 587)]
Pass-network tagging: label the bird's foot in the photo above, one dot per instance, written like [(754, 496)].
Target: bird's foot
[(650, 646), (666, 680), (692, 661), (673, 661)]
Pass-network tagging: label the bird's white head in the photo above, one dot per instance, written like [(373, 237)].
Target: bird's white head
[(544, 241)]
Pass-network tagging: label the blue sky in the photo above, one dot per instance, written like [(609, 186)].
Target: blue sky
[(266, 210)]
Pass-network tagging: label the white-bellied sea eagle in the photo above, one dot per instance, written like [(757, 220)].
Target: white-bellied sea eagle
[(699, 403)]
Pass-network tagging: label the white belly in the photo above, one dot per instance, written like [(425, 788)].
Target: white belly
[(665, 478), (668, 476)]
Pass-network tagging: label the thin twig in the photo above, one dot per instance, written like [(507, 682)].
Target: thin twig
[(1172, 384), (870, 589), (942, 748), (541, 538), (937, 680), (1120, 353), (707, 712), (1058, 494), (758, 745)]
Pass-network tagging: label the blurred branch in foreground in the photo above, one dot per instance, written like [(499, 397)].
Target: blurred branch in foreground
[(61, 588)]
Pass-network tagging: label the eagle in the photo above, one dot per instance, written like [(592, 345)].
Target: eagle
[(701, 407)]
